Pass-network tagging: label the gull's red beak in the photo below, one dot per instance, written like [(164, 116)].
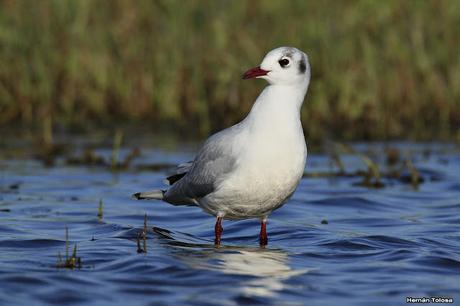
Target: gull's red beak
[(254, 73)]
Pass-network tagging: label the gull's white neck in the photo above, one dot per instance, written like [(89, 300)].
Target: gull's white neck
[(273, 141), (277, 108)]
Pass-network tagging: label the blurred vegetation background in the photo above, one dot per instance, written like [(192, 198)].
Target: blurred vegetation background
[(380, 69)]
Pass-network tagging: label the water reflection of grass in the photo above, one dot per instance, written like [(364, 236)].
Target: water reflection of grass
[(142, 237), (380, 68)]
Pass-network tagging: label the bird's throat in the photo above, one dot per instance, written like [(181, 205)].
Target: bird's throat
[(277, 107)]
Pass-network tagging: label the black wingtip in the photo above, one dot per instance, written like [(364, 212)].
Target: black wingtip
[(174, 178), (137, 196)]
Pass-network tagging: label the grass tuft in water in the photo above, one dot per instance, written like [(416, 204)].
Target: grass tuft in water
[(88, 158), (392, 156), (100, 210), (335, 158), (70, 262), (372, 177), (117, 140), (415, 178)]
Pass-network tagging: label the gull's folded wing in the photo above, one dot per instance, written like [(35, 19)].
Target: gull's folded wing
[(214, 161)]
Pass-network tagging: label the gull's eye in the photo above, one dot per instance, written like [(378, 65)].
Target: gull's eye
[(284, 62)]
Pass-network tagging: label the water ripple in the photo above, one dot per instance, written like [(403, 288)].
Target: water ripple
[(332, 244)]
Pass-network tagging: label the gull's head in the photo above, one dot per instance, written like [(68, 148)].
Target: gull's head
[(283, 66)]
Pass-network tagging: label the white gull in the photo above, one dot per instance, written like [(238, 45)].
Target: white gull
[(252, 168)]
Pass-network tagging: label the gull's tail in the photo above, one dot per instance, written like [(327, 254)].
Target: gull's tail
[(150, 195)]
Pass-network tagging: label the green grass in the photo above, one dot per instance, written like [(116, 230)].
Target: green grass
[(380, 69), (70, 261)]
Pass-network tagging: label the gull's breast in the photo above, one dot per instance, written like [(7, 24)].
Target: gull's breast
[(267, 174)]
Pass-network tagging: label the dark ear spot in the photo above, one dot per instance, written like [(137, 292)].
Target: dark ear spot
[(302, 66)]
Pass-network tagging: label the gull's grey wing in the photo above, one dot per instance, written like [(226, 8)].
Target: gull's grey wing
[(213, 162)]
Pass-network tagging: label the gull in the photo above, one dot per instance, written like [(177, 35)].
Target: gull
[(253, 167)]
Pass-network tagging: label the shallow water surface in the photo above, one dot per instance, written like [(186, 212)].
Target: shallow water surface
[(333, 243)]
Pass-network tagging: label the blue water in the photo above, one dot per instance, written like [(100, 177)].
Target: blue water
[(377, 247)]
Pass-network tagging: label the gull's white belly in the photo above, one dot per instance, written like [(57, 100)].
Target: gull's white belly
[(263, 181)]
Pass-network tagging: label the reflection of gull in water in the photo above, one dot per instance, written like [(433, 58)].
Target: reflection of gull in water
[(270, 268)]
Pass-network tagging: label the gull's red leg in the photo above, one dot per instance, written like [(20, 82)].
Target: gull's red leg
[(218, 231), (263, 239)]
